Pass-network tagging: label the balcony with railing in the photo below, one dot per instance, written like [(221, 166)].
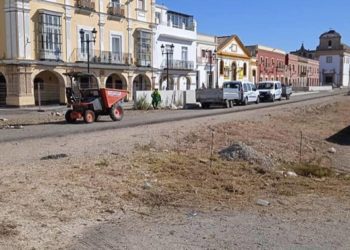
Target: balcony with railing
[(116, 10), (85, 6), (100, 57), (178, 64)]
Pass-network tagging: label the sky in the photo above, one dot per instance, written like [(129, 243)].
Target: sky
[(282, 24)]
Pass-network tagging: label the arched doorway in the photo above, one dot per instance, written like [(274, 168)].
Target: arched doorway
[(51, 88), (188, 83), (184, 83), (116, 81), (163, 83), (254, 75), (141, 83), (234, 71), (3, 90)]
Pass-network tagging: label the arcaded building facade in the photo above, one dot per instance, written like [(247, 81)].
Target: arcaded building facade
[(42, 41)]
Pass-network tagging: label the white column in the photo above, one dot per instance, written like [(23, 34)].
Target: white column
[(20, 31), (68, 41), (101, 24), (9, 27), (27, 38)]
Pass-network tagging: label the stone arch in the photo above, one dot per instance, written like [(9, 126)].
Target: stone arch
[(234, 71), (244, 69), (184, 83), (163, 83), (116, 81), (51, 87), (222, 65), (141, 82), (3, 89), (254, 75)]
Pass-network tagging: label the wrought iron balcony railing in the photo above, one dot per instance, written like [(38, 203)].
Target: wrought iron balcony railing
[(88, 5), (100, 57), (178, 64), (117, 10)]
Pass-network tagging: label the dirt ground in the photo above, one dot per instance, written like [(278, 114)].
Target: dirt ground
[(166, 185)]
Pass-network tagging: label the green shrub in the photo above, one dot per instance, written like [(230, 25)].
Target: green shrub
[(142, 103)]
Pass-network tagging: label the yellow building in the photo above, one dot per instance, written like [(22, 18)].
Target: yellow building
[(43, 39), (234, 60)]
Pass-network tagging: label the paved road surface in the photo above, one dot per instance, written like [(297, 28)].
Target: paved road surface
[(135, 118)]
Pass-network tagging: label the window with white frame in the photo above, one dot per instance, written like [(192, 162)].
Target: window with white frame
[(115, 3), (184, 53), (50, 35), (329, 59), (116, 48), (141, 4), (143, 48)]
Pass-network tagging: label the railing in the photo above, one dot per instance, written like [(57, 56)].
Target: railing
[(115, 9), (178, 64), (49, 55), (85, 4), (280, 69), (102, 57)]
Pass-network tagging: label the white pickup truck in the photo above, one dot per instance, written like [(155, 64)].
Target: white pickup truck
[(233, 92)]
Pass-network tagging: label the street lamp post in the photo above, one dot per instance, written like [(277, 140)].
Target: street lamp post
[(211, 56), (88, 41), (167, 50)]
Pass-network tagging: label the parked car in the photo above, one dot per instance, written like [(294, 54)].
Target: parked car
[(270, 90), (233, 92), (287, 91)]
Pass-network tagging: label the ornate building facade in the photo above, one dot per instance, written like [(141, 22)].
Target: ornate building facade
[(334, 58), (42, 40), (234, 60)]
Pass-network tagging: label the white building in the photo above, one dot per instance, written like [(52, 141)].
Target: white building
[(334, 60), (175, 40), (206, 61)]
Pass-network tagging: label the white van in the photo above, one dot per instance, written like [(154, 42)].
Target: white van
[(270, 90), (245, 92)]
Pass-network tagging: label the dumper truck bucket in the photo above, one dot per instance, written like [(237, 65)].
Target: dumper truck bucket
[(112, 96)]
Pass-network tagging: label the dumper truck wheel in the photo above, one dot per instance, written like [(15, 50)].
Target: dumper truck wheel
[(116, 112), (69, 118), (89, 116)]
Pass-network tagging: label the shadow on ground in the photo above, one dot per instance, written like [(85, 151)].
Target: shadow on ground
[(341, 138)]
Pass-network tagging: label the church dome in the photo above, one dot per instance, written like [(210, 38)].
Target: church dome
[(330, 34)]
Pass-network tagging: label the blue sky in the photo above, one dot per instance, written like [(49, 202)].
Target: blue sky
[(281, 24)]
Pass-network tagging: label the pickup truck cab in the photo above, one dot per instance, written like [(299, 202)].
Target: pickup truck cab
[(270, 90)]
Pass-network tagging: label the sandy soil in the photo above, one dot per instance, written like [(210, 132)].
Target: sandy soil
[(166, 186)]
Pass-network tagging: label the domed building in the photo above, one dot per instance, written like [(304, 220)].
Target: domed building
[(334, 57)]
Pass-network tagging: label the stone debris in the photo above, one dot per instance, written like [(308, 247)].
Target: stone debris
[(147, 185), (13, 127), (3, 119), (292, 174), (262, 203), (332, 150), (287, 173), (241, 151), (57, 114)]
